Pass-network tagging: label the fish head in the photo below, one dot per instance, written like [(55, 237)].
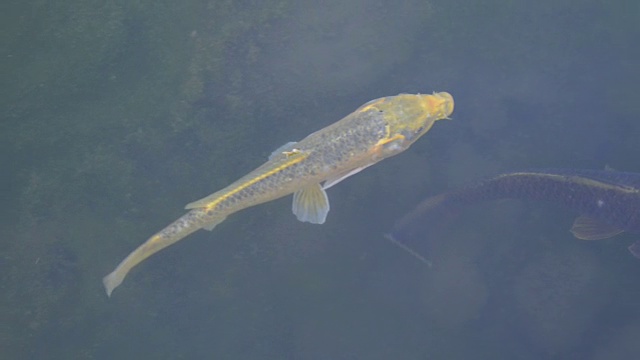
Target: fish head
[(413, 115), (409, 116)]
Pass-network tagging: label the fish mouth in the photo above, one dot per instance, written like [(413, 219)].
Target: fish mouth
[(443, 104)]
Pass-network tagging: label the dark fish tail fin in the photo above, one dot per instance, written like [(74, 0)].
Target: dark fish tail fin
[(415, 232), (426, 208), (404, 247)]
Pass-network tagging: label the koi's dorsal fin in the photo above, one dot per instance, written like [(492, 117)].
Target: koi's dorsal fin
[(202, 202), (311, 204), (586, 228)]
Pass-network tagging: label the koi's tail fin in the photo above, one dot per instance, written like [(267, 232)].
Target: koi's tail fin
[(173, 233), (113, 280)]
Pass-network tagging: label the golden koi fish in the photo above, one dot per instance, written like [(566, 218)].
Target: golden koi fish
[(377, 130)]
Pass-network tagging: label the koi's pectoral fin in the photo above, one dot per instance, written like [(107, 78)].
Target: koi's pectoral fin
[(338, 178), (586, 228), (311, 204)]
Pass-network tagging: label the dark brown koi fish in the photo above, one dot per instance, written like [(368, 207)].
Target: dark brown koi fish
[(608, 201)]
